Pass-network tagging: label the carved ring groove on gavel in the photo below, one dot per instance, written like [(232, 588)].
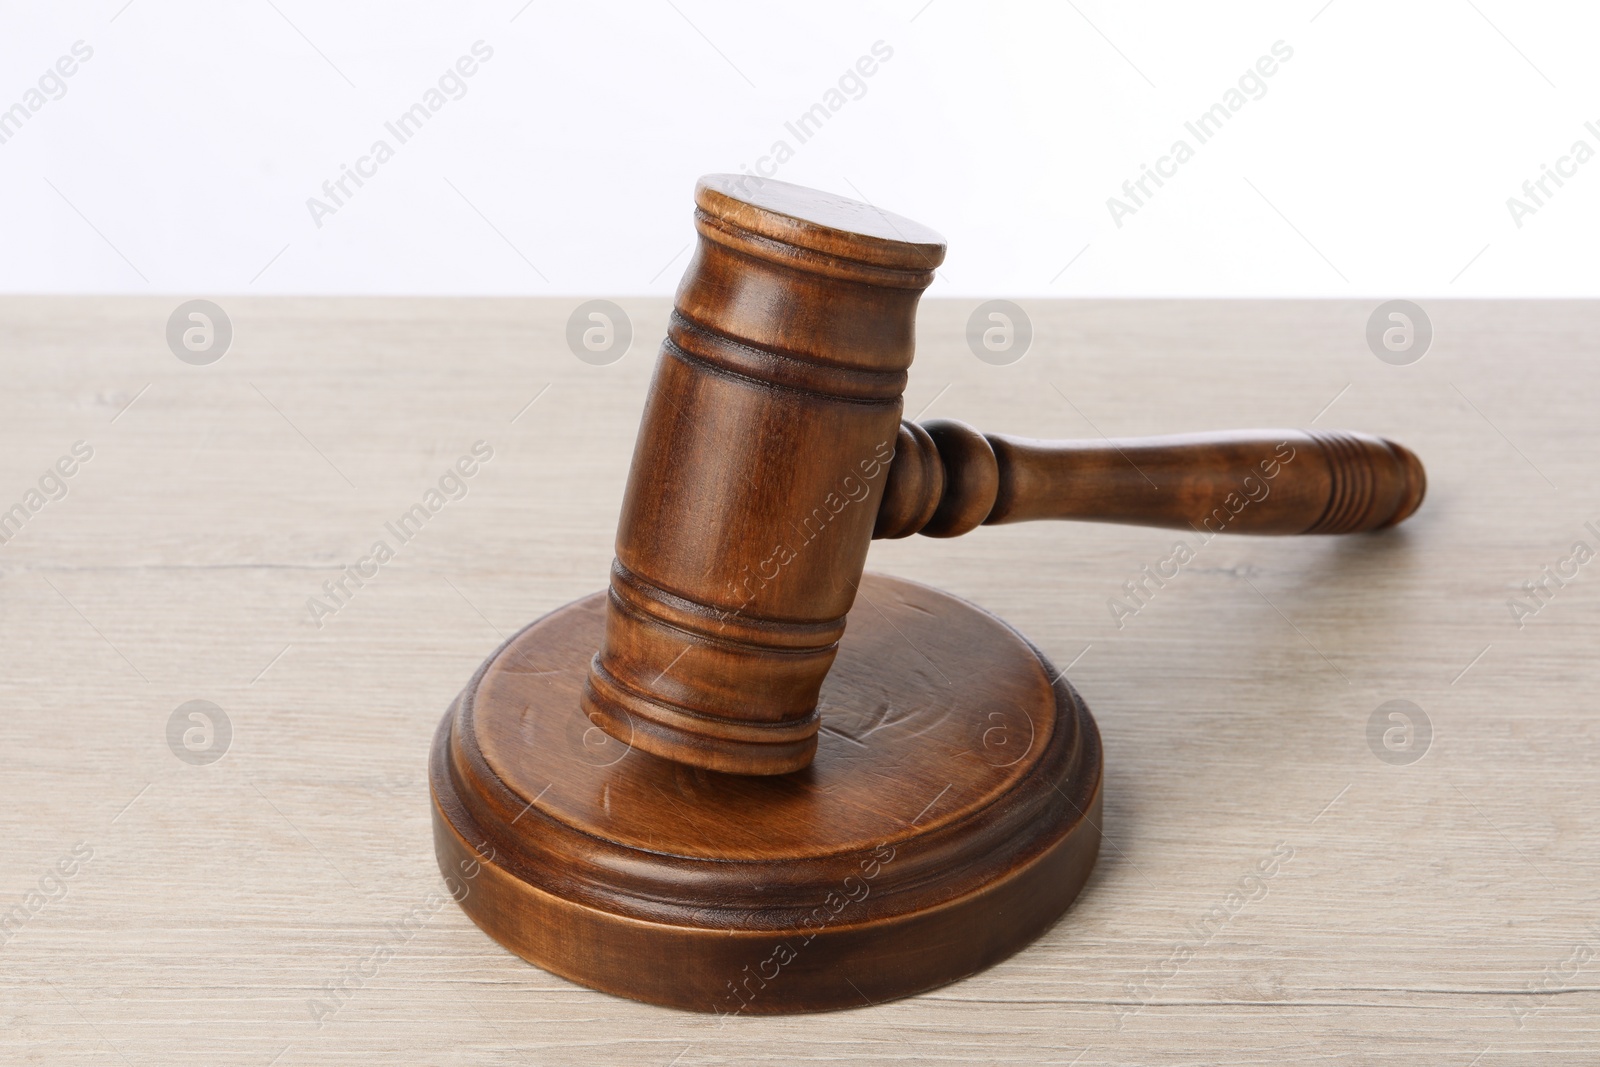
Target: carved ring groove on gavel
[(751, 777)]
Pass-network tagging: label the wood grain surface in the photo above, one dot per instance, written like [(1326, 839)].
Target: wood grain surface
[(763, 449), (951, 815), (1270, 889)]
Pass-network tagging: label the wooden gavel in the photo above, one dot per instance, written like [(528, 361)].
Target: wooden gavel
[(953, 810), (771, 452)]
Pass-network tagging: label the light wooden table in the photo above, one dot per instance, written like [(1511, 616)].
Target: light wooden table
[(1442, 912)]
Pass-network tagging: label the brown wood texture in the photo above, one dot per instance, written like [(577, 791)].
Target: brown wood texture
[(948, 479), (772, 435), (951, 815), (760, 461)]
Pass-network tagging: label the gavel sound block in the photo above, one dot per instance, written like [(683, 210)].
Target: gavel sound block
[(749, 778)]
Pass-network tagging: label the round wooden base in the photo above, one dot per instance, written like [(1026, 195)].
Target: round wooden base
[(951, 815)]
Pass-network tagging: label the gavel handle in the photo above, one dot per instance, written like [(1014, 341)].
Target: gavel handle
[(947, 478)]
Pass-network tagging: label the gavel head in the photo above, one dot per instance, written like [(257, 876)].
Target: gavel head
[(759, 468)]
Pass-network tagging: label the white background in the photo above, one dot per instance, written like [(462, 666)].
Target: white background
[(1378, 163)]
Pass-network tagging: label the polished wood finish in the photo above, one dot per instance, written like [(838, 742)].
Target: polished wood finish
[(951, 814), (664, 818), (761, 457), (771, 452), (947, 479)]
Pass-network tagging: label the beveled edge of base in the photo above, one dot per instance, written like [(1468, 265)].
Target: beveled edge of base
[(726, 971), (755, 976)]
